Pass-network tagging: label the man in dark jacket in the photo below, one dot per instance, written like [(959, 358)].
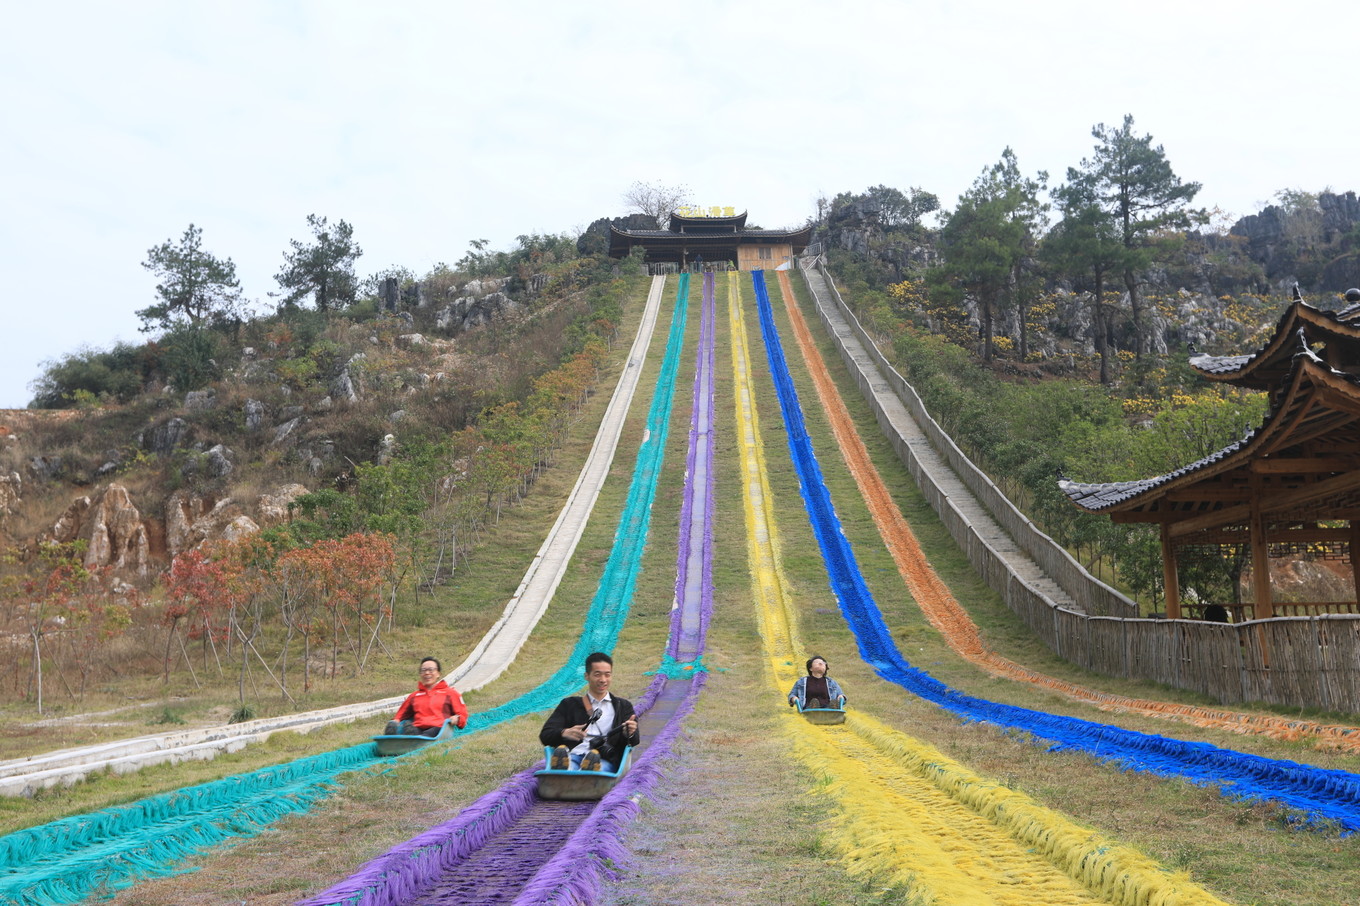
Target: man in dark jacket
[(425, 710), (590, 732)]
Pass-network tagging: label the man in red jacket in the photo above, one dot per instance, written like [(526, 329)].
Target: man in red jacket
[(426, 709)]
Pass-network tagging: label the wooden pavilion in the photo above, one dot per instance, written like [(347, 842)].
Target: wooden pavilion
[(693, 239), (1290, 486)]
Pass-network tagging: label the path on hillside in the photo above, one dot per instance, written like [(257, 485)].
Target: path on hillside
[(540, 852), (934, 597), (906, 811)]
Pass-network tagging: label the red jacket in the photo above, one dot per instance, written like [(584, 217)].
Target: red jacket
[(430, 706)]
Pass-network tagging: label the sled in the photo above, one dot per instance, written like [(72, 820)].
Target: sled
[(577, 786), (824, 717), (402, 743)]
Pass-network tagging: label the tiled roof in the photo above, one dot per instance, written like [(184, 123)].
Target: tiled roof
[(1220, 364), (1096, 497)]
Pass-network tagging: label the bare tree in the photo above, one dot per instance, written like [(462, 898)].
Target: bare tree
[(655, 200)]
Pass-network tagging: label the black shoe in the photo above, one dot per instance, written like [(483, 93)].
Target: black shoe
[(561, 759), (591, 762), (393, 728)]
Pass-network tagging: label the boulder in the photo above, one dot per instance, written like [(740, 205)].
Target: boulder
[(67, 526), (199, 400), (282, 431), (272, 509), (219, 461), (164, 438), (45, 468), (254, 412)]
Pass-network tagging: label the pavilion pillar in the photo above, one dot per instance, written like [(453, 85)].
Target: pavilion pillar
[(1354, 552), (1171, 583), (1260, 563)]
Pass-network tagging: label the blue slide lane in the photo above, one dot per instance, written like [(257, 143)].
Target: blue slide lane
[(1321, 794), (64, 861)]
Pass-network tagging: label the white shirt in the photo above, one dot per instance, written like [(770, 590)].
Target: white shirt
[(600, 725)]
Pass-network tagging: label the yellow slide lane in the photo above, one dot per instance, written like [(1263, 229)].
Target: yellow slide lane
[(907, 811)]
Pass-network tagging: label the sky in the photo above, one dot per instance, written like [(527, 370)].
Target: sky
[(428, 125)]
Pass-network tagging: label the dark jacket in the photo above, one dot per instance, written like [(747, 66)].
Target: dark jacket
[(429, 706), (571, 711)]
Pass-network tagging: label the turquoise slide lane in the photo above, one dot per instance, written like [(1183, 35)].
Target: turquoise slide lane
[(65, 861), (1320, 794)]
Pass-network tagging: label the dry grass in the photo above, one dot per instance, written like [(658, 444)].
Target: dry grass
[(730, 822)]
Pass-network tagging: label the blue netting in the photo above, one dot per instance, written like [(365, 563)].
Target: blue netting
[(1322, 794)]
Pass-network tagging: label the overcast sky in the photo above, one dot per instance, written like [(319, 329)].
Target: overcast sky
[(427, 125)]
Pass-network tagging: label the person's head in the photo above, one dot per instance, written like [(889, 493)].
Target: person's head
[(599, 671), (816, 665), (430, 671)]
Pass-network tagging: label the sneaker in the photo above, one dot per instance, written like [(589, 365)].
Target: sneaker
[(393, 728), (591, 761), (561, 759)]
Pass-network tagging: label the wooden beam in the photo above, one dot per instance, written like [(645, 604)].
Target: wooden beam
[(1277, 535), (1280, 501), (1303, 464)]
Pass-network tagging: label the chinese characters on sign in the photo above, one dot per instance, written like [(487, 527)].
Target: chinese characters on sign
[(693, 210)]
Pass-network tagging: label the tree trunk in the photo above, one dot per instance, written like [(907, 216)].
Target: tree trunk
[(1098, 328), (1135, 312), (37, 666), (986, 329)]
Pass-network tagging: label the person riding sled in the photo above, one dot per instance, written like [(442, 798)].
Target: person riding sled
[(425, 710), (592, 731), (816, 690)]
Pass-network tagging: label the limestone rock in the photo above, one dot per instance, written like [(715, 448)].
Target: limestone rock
[(254, 411), (117, 537), (11, 489), (67, 526), (192, 520), (198, 400), (166, 437), (44, 468), (282, 431), (240, 527), (219, 461), (272, 509)]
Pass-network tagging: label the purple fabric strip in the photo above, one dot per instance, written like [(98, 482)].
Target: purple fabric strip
[(398, 875), (578, 870)]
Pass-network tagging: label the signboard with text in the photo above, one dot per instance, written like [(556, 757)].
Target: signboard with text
[(693, 210)]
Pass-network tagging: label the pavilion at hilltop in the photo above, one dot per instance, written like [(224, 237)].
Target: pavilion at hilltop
[(1290, 487), (712, 239)]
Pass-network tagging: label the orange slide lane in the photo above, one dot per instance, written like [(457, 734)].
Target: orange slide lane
[(960, 632)]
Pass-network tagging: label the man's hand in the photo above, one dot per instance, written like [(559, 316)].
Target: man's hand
[(630, 725), (574, 734)]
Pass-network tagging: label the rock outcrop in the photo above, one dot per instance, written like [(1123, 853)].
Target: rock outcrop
[(116, 534)]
